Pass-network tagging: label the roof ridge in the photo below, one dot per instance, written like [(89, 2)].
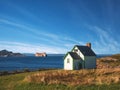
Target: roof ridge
[(85, 50)]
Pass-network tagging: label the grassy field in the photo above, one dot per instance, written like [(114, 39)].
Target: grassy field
[(92, 79), (63, 80)]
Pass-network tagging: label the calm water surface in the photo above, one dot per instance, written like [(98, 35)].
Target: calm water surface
[(30, 62)]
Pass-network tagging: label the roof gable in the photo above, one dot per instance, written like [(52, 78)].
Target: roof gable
[(74, 55), (85, 50)]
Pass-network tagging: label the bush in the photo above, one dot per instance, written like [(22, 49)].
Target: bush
[(26, 70), (4, 73)]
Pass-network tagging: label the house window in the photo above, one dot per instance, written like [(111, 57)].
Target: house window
[(75, 50), (68, 60)]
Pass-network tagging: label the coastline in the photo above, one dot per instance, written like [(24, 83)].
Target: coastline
[(32, 63), (4, 73), (54, 79)]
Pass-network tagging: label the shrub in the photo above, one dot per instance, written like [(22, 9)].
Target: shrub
[(26, 70), (4, 73)]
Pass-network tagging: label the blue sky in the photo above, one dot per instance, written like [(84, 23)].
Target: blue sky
[(55, 26)]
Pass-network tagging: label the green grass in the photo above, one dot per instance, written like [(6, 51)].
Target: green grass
[(32, 86), (16, 82), (8, 82)]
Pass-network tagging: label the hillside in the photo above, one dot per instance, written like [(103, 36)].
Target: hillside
[(102, 78), (109, 62), (79, 77)]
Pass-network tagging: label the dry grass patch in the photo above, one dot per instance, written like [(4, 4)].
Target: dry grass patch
[(78, 77), (107, 72), (109, 62)]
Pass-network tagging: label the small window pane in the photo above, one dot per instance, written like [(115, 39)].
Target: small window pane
[(75, 50), (68, 60)]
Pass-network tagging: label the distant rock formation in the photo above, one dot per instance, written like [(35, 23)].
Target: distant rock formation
[(5, 53), (41, 54)]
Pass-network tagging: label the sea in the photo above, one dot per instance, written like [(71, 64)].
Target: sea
[(32, 63)]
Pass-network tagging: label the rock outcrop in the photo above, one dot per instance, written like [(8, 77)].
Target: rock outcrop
[(5, 53), (41, 54)]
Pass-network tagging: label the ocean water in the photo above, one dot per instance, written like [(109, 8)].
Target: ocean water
[(32, 62)]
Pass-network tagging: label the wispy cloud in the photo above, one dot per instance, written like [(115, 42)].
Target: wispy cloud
[(70, 42), (54, 43), (59, 43), (28, 48), (106, 42), (36, 33), (40, 34)]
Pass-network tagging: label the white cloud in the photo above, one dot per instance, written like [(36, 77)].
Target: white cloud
[(28, 48), (36, 33), (106, 42), (57, 43)]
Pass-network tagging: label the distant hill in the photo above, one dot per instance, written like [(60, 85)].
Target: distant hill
[(5, 53), (112, 61)]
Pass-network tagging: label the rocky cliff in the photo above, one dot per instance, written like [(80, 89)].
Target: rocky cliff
[(5, 53)]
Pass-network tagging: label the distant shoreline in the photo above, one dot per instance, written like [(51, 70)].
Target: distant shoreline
[(31, 68), (3, 73)]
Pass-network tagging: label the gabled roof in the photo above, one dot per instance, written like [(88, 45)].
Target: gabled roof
[(85, 50), (74, 55)]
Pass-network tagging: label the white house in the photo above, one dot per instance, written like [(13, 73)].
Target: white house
[(80, 57)]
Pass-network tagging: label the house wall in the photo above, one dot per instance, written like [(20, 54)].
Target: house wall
[(81, 55), (77, 64), (90, 62), (68, 66)]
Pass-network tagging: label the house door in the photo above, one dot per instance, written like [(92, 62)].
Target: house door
[(78, 66)]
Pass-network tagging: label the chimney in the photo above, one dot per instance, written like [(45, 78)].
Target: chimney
[(88, 44)]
